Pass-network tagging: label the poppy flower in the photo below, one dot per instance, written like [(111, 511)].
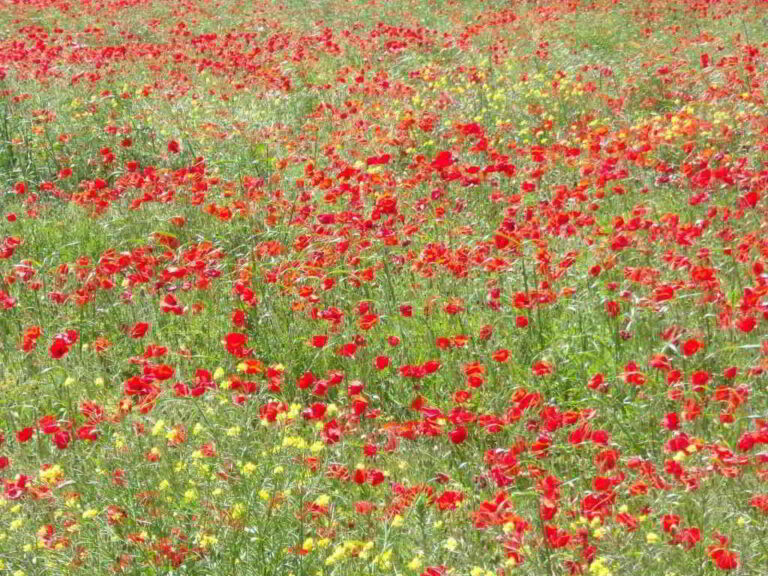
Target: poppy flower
[(688, 537), (691, 346), (348, 350), (632, 375), (485, 333), (88, 433), (724, 558), (611, 308), (378, 160), (235, 343), (367, 321), (760, 502), (746, 324), (731, 372), (239, 318), (24, 435), (542, 368), (458, 434), (319, 341), (443, 160), (62, 343), (501, 355), (556, 537), (671, 421), (431, 366), (699, 380), (363, 507), (332, 432), (59, 348), (62, 439), (171, 305)]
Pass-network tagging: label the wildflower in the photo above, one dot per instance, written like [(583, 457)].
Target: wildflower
[(238, 510), (52, 474), (158, 427), (458, 434), (691, 346), (208, 541), (316, 447), (599, 568), (415, 563)]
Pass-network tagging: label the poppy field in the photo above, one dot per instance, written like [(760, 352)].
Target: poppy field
[(406, 287)]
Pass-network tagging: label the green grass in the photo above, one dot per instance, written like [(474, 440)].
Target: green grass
[(215, 483)]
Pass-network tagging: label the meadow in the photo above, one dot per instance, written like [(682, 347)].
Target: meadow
[(361, 288)]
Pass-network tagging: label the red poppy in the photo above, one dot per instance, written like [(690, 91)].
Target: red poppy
[(669, 522), (171, 305), (24, 435), (431, 366), (364, 507), (331, 432), (59, 348), (62, 439), (731, 372), (239, 318), (691, 346), (699, 380), (367, 321), (746, 324), (500, 355), (235, 343), (611, 308), (62, 343), (348, 350), (542, 368), (671, 421), (557, 538), (443, 160), (319, 340), (721, 555), (458, 434)]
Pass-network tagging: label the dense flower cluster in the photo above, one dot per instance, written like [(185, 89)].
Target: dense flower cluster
[(412, 288)]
